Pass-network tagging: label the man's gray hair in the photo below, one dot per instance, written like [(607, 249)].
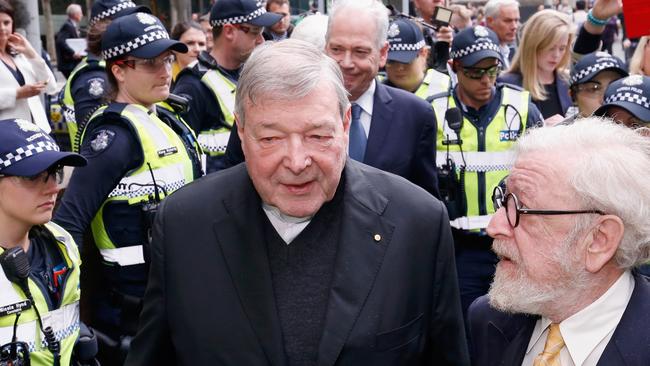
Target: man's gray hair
[(285, 71), (374, 8), (73, 9), (610, 172), (312, 29), (493, 7)]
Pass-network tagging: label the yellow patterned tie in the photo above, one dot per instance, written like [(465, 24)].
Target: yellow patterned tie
[(554, 343)]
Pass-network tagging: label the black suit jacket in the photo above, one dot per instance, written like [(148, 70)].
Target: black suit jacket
[(393, 300), (501, 339), (64, 54), (401, 140)]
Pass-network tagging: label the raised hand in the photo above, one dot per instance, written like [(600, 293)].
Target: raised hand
[(21, 45)]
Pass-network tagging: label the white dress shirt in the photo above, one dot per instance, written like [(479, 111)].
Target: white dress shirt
[(587, 332)]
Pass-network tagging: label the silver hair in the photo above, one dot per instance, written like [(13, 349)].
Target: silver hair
[(312, 29), (73, 9), (493, 7), (374, 8), (609, 170), (287, 70)]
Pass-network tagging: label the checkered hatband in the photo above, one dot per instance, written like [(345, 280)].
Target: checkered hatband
[(592, 68), (239, 19), (112, 11), (27, 151), (134, 44), (628, 97), (474, 48), (406, 46)]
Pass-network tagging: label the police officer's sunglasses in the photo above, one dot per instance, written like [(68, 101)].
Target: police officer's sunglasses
[(56, 172), (513, 208), (477, 73)]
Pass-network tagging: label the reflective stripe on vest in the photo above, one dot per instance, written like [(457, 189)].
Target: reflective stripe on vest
[(214, 141), (64, 320), (434, 82), (171, 166), (493, 161)]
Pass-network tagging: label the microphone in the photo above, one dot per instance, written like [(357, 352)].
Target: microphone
[(454, 118)]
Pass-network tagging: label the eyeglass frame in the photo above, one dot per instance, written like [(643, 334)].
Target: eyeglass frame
[(55, 171), (149, 63), (525, 211), (248, 30)]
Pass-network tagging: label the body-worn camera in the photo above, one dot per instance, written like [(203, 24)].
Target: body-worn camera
[(441, 17)]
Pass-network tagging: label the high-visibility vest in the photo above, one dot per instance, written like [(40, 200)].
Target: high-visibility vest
[(215, 140), (486, 153), (165, 158), (434, 82), (64, 320)]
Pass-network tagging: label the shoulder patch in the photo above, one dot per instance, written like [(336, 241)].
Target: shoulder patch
[(96, 87), (101, 140)]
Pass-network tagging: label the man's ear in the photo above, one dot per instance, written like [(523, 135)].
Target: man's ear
[(240, 130), (605, 240), (383, 55)]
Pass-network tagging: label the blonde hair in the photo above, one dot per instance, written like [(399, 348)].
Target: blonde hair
[(636, 62), (542, 30)]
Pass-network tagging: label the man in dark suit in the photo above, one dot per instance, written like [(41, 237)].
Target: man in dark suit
[(66, 57), (396, 130), (300, 256), (571, 226)]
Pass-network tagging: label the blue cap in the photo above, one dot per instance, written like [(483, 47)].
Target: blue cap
[(26, 150), (471, 45), (140, 35), (405, 41), (112, 9), (630, 93), (592, 64), (242, 11)]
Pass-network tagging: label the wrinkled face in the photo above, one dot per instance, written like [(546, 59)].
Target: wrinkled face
[(295, 152), (589, 95), (476, 92), (353, 46), (541, 260), (281, 26), (246, 38), (505, 24), (549, 58), (195, 41), (27, 202), (144, 81), (426, 7)]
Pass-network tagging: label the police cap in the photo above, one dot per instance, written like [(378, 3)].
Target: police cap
[(405, 41), (630, 93), (592, 64), (242, 11), (471, 45), (112, 9)]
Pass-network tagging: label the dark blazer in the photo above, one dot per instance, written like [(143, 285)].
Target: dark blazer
[(393, 300), (561, 86), (402, 138), (501, 339), (65, 61)]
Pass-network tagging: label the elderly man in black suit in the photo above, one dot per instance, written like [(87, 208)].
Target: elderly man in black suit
[(66, 57), (391, 129), (300, 256), (570, 228)]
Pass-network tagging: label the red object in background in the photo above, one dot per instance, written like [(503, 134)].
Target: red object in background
[(636, 14)]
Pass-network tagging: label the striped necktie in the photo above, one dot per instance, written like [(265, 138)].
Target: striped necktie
[(554, 343)]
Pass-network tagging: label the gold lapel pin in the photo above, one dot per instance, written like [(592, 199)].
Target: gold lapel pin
[(377, 237)]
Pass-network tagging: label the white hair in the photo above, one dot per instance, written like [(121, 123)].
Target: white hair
[(73, 9), (608, 167), (287, 70), (374, 8), (312, 29), (493, 7)]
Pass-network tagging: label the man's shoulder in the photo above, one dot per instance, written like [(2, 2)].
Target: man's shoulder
[(407, 104)]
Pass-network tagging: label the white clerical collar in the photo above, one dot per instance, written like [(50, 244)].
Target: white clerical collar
[(365, 101), (584, 330), (288, 227)]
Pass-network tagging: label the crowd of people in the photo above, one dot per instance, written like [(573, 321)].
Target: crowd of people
[(365, 187)]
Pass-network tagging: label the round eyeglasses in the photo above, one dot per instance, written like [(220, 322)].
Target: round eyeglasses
[(513, 208)]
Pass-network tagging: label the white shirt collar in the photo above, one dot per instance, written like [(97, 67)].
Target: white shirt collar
[(288, 227), (584, 330), (365, 101)]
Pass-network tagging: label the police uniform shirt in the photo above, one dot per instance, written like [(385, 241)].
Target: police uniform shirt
[(44, 256), (88, 89)]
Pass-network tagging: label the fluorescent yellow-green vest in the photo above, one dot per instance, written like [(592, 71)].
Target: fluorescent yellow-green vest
[(67, 104), (64, 320), (434, 82), (214, 141), (487, 153), (165, 156)]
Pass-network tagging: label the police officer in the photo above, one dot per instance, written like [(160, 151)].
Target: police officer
[(86, 86), (39, 280), (590, 77), (406, 62), (210, 83), (627, 101), (138, 153), (478, 124)]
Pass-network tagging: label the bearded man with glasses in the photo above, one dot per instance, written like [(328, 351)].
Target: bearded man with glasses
[(570, 230), (478, 122)]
